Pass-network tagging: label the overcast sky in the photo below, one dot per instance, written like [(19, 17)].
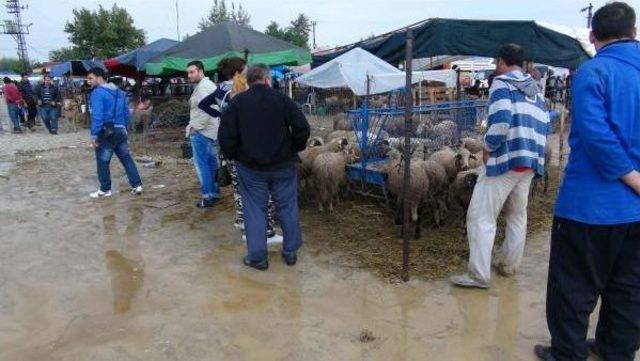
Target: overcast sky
[(339, 21)]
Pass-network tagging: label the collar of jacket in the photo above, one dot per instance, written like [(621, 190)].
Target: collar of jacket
[(623, 41)]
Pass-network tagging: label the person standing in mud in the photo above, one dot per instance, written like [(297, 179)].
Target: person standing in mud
[(262, 130), (13, 98), (48, 97), (29, 101), (513, 155), (595, 240), (202, 131), (232, 81), (109, 121)]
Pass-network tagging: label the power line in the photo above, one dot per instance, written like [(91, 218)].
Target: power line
[(17, 30)]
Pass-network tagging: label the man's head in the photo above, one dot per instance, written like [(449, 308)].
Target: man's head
[(47, 79), (195, 71), (25, 76), (510, 57), (96, 76), (612, 22), (259, 74), (7, 80)]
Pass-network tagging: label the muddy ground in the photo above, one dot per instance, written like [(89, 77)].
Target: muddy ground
[(153, 278)]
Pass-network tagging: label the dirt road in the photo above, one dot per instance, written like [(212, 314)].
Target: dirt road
[(153, 278)]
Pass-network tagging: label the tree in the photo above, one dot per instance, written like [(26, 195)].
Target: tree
[(103, 33), (219, 13), (10, 64), (297, 33)]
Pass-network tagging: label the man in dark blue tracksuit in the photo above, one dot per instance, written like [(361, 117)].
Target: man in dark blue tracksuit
[(595, 242)]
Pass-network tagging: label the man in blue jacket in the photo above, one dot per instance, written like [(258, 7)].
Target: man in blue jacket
[(109, 121), (595, 241)]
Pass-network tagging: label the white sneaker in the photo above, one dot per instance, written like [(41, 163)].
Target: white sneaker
[(100, 194), (276, 239), (467, 281), (136, 191), (239, 226)]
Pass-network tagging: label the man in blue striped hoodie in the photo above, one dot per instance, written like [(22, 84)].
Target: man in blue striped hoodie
[(513, 156)]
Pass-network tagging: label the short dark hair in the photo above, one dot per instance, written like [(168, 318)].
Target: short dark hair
[(228, 67), (197, 63), (614, 21), (45, 76), (7, 80), (24, 74), (512, 54), (99, 72), (258, 72)]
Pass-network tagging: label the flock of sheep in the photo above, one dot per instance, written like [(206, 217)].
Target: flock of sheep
[(443, 169)]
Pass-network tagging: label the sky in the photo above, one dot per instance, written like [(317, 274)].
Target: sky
[(339, 21)]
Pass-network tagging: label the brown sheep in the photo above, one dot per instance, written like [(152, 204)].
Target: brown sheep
[(462, 189), (453, 162), (473, 145), (308, 155), (341, 122)]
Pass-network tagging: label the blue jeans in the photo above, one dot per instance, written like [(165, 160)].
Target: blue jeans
[(117, 143), (14, 115), (255, 187), (205, 159), (49, 116)]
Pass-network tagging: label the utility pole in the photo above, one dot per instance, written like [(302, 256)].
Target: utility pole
[(589, 11), (17, 30), (177, 20), (313, 24)]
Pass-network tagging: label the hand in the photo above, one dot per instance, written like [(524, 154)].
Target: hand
[(40, 102), (94, 144), (485, 156), (53, 104), (633, 180)]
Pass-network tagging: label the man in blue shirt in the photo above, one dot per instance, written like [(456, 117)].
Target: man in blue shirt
[(595, 242), (109, 121)]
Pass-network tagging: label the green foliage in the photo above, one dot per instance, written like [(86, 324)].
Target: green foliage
[(14, 65), (219, 13), (103, 33), (297, 33)]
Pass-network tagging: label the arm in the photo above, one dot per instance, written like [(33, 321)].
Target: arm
[(500, 114), (599, 142), (97, 114), (298, 125), (228, 134), (210, 104)]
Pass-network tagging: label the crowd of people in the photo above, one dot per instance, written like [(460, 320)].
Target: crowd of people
[(244, 127)]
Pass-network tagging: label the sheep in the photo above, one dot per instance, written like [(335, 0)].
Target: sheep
[(341, 134), (418, 186), (341, 122), (476, 160), (462, 189), (438, 185), (474, 145), (329, 173), (314, 142), (453, 162), (308, 155), (445, 132)]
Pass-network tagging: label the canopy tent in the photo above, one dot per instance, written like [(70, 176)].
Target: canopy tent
[(75, 67), (556, 46), (226, 40), (132, 64), (350, 70)]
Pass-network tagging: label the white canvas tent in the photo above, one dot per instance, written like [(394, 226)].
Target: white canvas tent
[(350, 70)]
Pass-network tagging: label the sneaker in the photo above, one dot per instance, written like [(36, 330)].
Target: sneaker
[(261, 265), (502, 269), (275, 239), (544, 353), (290, 258), (467, 281), (207, 203), (239, 225), (17, 131), (136, 191), (100, 194)]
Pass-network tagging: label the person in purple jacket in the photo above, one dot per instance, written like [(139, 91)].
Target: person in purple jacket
[(595, 241)]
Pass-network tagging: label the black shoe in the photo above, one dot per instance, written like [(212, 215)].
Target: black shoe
[(262, 265), (17, 131), (207, 203), (290, 258), (54, 132), (593, 347), (544, 353)]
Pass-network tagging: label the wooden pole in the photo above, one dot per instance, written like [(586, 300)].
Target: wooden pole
[(407, 155)]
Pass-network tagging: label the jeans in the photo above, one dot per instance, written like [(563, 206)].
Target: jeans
[(490, 195), (255, 188), (205, 159), (116, 143), (49, 115), (14, 115), (588, 263)]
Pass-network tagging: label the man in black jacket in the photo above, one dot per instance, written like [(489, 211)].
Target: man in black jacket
[(48, 97), (30, 100), (263, 131)]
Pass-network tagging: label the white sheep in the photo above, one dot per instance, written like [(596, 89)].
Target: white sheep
[(438, 188), (453, 162), (472, 144), (445, 132), (329, 173)]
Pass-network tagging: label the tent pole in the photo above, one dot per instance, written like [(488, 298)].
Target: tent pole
[(407, 156), (246, 56)]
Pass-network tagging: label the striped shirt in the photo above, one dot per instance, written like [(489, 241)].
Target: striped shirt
[(518, 125)]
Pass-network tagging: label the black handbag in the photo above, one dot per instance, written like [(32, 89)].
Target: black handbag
[(108, 128), (223, 175)]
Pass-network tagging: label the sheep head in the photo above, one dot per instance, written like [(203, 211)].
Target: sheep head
[(462, 159)]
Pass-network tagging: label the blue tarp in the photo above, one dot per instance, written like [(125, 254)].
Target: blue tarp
[(75, 67)]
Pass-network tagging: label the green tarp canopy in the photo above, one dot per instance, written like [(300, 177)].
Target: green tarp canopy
[(226, 40), (559, 47)]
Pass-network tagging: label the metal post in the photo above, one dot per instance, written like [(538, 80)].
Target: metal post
[(177, 20), (246, 56), (364, 134), (406, 155)]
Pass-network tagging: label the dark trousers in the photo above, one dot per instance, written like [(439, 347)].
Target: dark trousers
[(32, 112), (116, 143), (255, 187), (589, 262), (49, 115)]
